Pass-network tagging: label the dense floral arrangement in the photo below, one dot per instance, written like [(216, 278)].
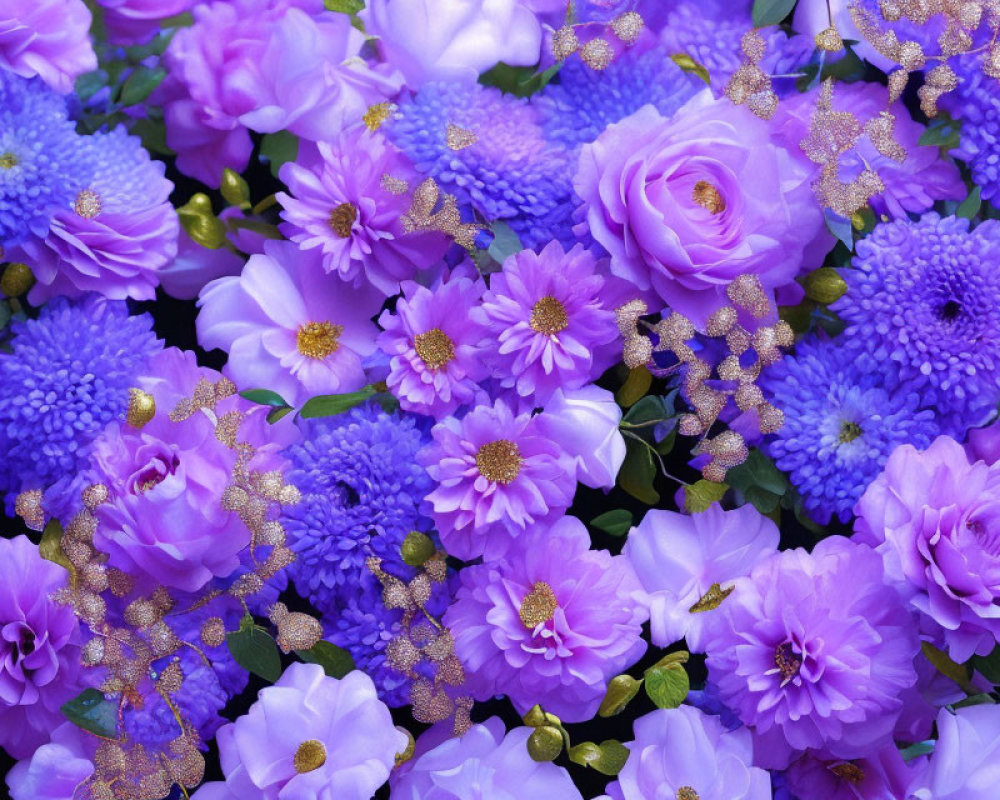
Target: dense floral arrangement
[(495, 399)]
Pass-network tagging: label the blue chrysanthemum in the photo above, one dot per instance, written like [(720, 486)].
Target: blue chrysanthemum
[(844, 415), (582, 102), (926, 295), (977, 103), (361, 493), (495, 158), (67, 377), (42, 163)]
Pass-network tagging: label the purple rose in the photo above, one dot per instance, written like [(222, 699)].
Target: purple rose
[(48, 38), (964, 763), (39, 647), (686, 205), (934, 517)]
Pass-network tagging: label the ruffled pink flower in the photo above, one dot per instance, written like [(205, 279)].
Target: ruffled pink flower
[(48, 38), (551, 623), (288, 326)]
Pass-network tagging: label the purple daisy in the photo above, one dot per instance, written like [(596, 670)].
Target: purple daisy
[(347, 198), (496, 475), (433, 344), (795, 637), (551, 623), (550, 328), (288, 326)]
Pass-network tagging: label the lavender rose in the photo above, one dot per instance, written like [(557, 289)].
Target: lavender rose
[(685, 205), (48, 38)]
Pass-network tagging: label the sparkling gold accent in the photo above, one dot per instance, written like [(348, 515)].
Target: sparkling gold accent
[(538, 606), (597, 54), (548, 316), (28, 506), (708, 197), (459, 138), (829, 40), (376, 115), (310, 755), (499, 461), (342, 219), (434, 348), (712, 599), (628, 26), (396, 186), (848, 772), (318, 339), (564, 42), (87, 204), (8, 160), (141, 408), (687, 793)]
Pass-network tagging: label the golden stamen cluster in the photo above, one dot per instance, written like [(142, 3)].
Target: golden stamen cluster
[(598, 52), (433, 210), (750, 85)]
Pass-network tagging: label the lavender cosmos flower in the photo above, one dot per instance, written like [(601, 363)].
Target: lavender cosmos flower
[(551, 623), (116, 234), (584, 424), (308, 735), (963, 765), (39, 647), (361, 494), (342, 203), (882, 774), (548, 326), (922, 295), (482, 763), (67, 376), (165, 517), (687, 566), (42, 163), (452, 39), (792, 640), (685, 205), (56, 769), (932, 517), (282, 65), (844, 414), (288, 326), (684, 753), (496, 475), (130, 22), (433, 342), (48, 38)]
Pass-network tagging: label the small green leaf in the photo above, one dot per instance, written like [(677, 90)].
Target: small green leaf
[(263, 397), (278, 413), (200, 223), (649, 408), (417, 549), (279, 148), (50, 548), (255, 650), (771, 12), (712, 599), (701, 494), (344, 6), (505, 242), (91, 83), (335, 661), (615, 523), (608, 757), (92, 712), (918, 749), (635, 387), (988, 666), (970, 206), (638, 473), (761, 483), (942, 132), (981, 699), (942, 663), (234, 188), (621, 690), (153, 134), (688, 64), (329, 405), (518, 81), (667, 684), (140, 84)]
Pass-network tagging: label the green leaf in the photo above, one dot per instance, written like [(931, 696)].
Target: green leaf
[(344, 6), (279, 148), (92, 712), (263, 397), (234, 188), (712, 599), (688, 64), (988, 666), (50, 548), (614, 523), (200, 223), (638, 473), (771, 12), (942, 132), (255, 650), (701, 494), (505, 242), (970, 206), (518, 81), (918, 749), (760, 482), (335, 661), (621, 690), (329, 405), (608, 757), (981, 699), (635, 387), (278, 413), (942, 663), (153, 133), (667, 684), (140, 84), (649, 408), (91, 83)]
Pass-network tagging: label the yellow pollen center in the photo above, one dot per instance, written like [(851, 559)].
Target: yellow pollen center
[(548, 316), (786, 660), (849, 431), (88, 204), (687, 793), (376, 115), (499, 461), (310, 755), (342, 219), (707, 196), (849, 772), (434, 348), (9, 160), (538, 605), (318, 339)]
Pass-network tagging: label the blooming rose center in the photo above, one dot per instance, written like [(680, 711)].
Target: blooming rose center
[(310, 755), (708, 197), (849, 431), (549, 316), (24, 644), (88, 204), (687, 793), (9, 160), (787, 661), (318, 339), (499, 461), (538, 605), (154, 473), (434, 348), (342, 219), (848, 772)]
